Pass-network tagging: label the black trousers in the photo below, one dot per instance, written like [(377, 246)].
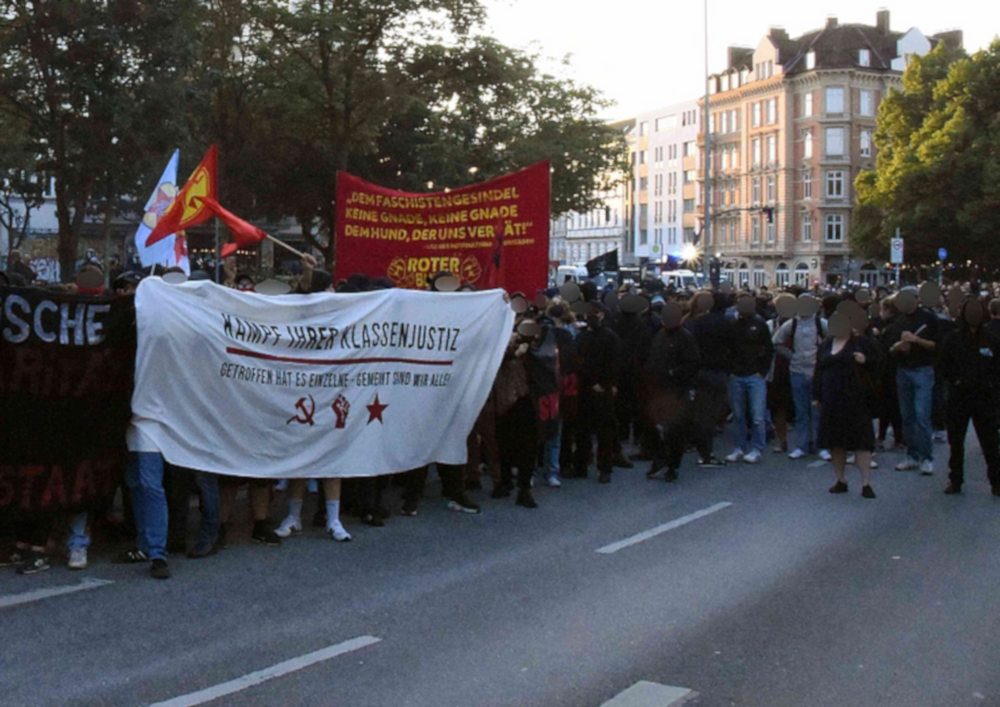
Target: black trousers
[(452, 482), (712, 393), (981, 408), (596, 418), (673, 439)]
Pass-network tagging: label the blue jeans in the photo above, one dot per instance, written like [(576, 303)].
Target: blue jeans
[(749, 391), (550, 453), (916, 402), (149, 502), (78, 538), (806, 415)]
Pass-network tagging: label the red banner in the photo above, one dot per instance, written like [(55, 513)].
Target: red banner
[(494, 234)]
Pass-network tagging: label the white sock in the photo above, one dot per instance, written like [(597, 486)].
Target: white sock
[(332, 512), (295, 510)]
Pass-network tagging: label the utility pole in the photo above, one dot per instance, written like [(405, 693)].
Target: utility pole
[(706, 227)]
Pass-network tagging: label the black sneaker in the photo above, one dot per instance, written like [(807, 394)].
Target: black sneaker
[(373, 520), (671, 476), (409, 509), (462, 504), (839, 487), (132, 557), (622, 462), (201, 550), (263, 533), (711, 463), (953, 489), (473, 485), (524, 498), (159, 569), (654, 469), (604, 478), (866, 492), (33, 564)]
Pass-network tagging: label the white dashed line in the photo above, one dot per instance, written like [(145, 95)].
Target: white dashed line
[(651, 694), (39, 594), (275, 671), (659, 530)]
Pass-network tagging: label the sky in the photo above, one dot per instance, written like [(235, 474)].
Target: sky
[(645, 54)]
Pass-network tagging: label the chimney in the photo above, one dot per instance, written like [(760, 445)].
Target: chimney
[(831, 22), (778, 33), (882, 21)]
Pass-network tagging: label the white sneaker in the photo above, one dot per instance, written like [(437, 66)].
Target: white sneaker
[(78, 558), (941, 437), (554, 481), (852, 458), (874, 464), (796, 454), (735, 456), (752, 458), (825, 455), (926, 467), (289, 527), (908, 464), (336, 531)]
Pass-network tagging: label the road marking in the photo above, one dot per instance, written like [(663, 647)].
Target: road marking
[(635, 539), (817, 465), (39, 594), (275, 671), (651, 694)]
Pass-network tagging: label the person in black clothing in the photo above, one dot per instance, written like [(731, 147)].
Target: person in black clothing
[(751, 353), (598, 355), (711, 332), (673, 367), (844, 363), (970, 365)]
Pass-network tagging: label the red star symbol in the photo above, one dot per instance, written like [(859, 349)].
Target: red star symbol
[(375, 411)]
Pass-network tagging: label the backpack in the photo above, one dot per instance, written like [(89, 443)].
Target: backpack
[(820, 331)]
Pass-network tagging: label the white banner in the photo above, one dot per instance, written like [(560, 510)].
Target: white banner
[(313, 386)]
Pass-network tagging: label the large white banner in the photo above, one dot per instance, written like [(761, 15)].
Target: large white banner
[(317, 385)]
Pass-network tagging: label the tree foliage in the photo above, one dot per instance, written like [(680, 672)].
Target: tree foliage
[(403, 92), (939, 161)]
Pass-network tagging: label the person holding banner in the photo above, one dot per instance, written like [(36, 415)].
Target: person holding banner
[(292, 524)]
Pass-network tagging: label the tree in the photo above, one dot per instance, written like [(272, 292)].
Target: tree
[(939, 161), (95, 83), (21, 188)]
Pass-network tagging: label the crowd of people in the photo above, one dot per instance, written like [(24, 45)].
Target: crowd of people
[(593, 374)]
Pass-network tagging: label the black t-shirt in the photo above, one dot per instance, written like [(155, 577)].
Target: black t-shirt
[(918, 356)]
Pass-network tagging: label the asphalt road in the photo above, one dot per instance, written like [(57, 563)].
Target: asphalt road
[(790, 597)]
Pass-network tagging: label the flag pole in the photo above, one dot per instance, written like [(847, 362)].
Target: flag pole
[(285, 246), (217, 253)]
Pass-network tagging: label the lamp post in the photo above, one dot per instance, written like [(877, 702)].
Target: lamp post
[(706, 229)]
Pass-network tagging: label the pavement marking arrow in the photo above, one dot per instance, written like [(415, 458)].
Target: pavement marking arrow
[(275, 671), (651, 694), (39, 594), (659, 530)]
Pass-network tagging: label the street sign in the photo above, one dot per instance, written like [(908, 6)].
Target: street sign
[(942, 254), (896, 251)]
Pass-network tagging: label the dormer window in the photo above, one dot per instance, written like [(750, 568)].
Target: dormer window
[(810, 61), (712, 85), (864, 57), (745, 76), (725, 83)]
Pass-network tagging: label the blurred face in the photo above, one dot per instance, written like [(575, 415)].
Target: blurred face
[(671, 315), (973, 313), (807, 307), (746, 306), (840, 326), (906, 302), (244, 284)]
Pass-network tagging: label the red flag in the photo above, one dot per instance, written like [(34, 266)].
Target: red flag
[(245, 234), (188, 208)]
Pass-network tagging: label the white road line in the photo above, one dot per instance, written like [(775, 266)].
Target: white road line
[(615, 547), (275, 671), (817, 465), (39, 594), (651, 694)]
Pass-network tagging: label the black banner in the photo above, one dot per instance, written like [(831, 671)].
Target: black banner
[(66, 370), (607, 262)]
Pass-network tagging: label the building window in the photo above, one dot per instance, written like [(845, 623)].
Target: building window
[(690, 176), (732, 192), (770, 232), (807, 146), (835, 184), (807, 104), (725, 122), (755, 121), (732, 233), (658, 212), (690, 149), (689, 206), (834, 228), (643, 183), (724, 83), (755, 189), (834, 142), (770, 190), (756, 152), (725, 159), (643, 213), (770, 68), (643, 237), (689, 235), (772, 149), (734, 122), (864, 57), (810, 61), (644, 157), (772, 111), (867, 103), (834, 100), (807, 185), (734, 158), (668, 122), (866, 143), (755, 231), (807, 229), (644, 128)]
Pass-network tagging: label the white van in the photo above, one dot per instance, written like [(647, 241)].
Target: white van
[(681, 279), (576, 273)]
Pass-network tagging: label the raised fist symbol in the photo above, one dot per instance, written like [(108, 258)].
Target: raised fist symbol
[(341, 408)]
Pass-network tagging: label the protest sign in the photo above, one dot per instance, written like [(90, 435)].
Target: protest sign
[(313, 386), (494, 234), (66, 364)]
